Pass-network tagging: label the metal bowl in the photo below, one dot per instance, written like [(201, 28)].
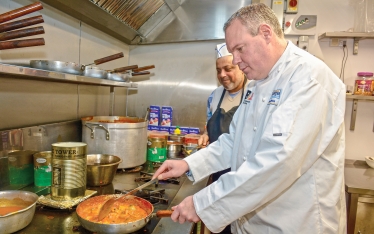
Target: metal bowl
[(15, 221), (101, 169)]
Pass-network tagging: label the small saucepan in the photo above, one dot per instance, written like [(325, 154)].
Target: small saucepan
[(128, 214)]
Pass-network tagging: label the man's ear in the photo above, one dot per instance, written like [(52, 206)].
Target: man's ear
[(265, 31)]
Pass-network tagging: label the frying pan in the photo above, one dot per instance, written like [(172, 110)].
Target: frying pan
[(121, 74), (96, 202), (70, 67)]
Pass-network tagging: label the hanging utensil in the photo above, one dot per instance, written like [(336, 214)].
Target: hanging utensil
[(146, 114), (21, 23), (106, 208), (21, 33), (21, 43), (20, 12)]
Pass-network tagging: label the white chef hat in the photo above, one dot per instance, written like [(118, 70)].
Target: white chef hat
[(221, 50)]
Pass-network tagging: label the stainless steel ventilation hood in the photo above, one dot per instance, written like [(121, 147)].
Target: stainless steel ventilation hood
[(153, 21)]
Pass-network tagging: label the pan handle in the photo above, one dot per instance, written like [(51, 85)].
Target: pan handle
[(122, 69), (143, 68), (20, 12), (164, 213), (140, 73), (21, 43), (21, 33), (21, 23), (108, 58), (94, 126)]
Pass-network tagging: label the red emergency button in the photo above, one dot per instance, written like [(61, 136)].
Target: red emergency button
[(292, 3), (288, 24)]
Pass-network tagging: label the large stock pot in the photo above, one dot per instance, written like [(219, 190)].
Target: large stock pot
[(125, 137)]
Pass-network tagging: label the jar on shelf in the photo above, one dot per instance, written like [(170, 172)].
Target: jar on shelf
[(364, 84)]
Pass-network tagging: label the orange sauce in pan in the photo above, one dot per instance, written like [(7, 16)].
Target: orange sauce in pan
[(123, 211), (12, 205), (9, 209)]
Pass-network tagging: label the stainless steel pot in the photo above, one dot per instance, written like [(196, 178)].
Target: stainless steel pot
[(15, 221), (125, 137)]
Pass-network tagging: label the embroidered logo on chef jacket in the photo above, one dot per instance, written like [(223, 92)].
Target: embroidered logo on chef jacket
[(275, 96), (248, 97)]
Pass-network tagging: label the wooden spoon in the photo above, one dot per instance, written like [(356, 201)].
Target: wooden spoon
[(107, 207)]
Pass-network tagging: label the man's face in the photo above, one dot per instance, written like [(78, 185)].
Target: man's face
[(229, 75), (248, 51)]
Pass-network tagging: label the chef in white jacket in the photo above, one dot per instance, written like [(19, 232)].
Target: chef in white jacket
[(286, 143)]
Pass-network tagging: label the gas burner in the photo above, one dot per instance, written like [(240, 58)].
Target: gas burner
[(130, 170), (145, 177), (153, 196)]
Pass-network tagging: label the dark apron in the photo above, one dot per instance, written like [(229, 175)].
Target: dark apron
[(219, 123)]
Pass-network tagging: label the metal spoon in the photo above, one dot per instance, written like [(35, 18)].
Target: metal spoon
[(107, 207)]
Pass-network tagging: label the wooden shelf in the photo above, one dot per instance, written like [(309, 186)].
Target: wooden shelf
[(356, 36), (355, 99)]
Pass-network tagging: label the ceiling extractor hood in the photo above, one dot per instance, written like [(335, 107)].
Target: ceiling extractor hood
[(153, 21)]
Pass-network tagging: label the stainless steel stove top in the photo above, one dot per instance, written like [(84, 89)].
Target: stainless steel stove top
[(173, 192)]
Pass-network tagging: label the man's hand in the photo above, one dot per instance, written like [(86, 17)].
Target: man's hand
[(185, 211), (171, 169), (203, 140)]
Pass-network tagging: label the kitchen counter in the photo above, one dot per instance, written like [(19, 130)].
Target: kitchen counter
[(359, 187), (52, 220)]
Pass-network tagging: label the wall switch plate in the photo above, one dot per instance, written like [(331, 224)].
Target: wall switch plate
[(334, 42)]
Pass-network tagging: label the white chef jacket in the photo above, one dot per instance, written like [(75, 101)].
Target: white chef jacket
[(286, 152)]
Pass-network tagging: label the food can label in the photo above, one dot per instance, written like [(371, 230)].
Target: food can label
[(41, 160), (157, 154), (364, 87)]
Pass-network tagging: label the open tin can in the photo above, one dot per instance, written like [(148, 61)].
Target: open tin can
[(69, 170)]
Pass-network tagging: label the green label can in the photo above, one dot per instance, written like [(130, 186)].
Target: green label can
[(43, 168), (156, 150)]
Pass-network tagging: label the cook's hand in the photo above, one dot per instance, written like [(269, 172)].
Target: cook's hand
[(171, 169), (203, 140), (185, 211)]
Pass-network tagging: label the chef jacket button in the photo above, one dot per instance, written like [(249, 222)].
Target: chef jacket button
[(263, 99), (254, 128)]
